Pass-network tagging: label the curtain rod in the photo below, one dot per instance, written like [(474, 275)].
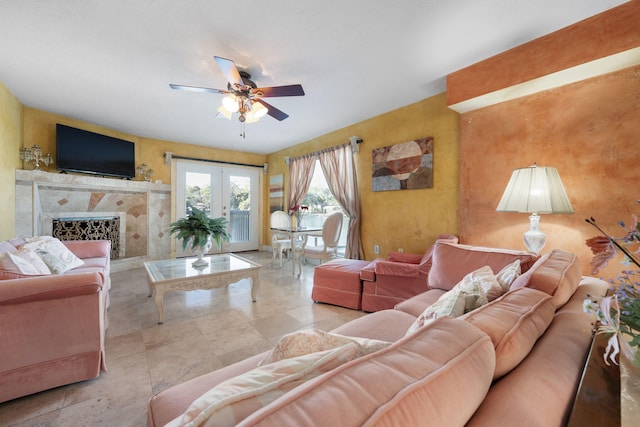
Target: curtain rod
[(324, 150), (168, 155)]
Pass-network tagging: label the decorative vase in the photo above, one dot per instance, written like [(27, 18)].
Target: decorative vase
[(629, 387), (200, 251)]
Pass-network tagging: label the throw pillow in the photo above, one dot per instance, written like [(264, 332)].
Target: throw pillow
[(450, 304), (233, 400), (508, 274), (314, 340), (33, 258), (54, 253), (14, 263), (485, 281)]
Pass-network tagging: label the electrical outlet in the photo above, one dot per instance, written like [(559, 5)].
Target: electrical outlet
[(400, 250), (376, 249)]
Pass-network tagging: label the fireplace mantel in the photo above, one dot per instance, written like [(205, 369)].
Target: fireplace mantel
[(144, 209)]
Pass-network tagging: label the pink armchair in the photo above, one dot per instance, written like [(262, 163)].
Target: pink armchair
[(387, 282)]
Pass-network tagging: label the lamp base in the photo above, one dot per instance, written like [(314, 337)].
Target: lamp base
[(534, 239)]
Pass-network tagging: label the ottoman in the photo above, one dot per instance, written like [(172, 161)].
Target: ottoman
[(338, 282)]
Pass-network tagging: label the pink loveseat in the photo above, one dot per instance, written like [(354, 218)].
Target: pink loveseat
[(387, 282), (514, 361), (52, 327)]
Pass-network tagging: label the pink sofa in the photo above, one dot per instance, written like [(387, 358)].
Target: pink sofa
[(514, 361), (52, 327)]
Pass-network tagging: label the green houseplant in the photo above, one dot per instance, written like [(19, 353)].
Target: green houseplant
[(198, 232)]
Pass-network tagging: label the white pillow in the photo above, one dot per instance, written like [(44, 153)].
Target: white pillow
[(233, 400), (450, 303), (16, 264), (54, 253), (314, 340), (33, 258), (508, 274)]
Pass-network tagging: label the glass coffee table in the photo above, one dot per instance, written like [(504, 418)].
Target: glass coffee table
[(179, 275)]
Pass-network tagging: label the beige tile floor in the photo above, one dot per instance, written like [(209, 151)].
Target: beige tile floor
[(203, 331)]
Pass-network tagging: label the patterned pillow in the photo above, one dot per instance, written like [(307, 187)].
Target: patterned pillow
[(15, 263), (54, 253), (451, 304), (487, 281), (233, 400), (508, 274), (33, 258), (314, 340)]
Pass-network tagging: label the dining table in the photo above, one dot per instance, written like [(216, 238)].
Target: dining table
[(297, 234)]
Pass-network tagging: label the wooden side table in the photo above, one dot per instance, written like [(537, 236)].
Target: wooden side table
[(597, 400)]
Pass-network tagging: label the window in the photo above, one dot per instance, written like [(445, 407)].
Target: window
[(321, 203)]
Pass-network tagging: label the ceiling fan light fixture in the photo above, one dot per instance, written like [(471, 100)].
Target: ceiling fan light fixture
[(223, 112), (231, 103), (259, 110)]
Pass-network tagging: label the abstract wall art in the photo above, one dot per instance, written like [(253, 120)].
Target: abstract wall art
[(404, 166)]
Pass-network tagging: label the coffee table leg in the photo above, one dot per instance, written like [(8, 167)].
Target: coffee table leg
[(255, 284), (159, 300)]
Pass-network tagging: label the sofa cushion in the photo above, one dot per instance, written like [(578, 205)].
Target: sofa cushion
[(419, 380), (233, 400), (385, 325), (419, 303), (314, 340), (557, 273), (451, 262), (514, 322)]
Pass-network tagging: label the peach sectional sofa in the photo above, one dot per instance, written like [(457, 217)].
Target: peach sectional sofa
[(516, 360), (52, 326)]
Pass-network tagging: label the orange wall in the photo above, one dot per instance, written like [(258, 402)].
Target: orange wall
[(407, 219), (588, 130)]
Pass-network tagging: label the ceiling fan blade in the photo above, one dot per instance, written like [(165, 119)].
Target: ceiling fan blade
[(289, 90), (197, 89), (228, 68), (273, 111)]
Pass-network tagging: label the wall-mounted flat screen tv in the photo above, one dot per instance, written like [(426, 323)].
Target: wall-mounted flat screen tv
[(78, 150)]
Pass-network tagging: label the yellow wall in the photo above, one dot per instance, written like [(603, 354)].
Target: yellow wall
[(40, 128), (10, 141), (407, 219)]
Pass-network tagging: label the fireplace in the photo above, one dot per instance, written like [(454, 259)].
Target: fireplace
[(95, 228)]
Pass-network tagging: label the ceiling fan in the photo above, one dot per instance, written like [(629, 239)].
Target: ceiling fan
[(244, 96)]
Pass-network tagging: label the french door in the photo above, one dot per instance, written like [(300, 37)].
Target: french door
[(221, 191)]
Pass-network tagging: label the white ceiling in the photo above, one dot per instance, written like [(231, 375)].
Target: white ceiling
[(111, 62)]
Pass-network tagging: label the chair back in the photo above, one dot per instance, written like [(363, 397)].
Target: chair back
[(280, 219), (331, 229)]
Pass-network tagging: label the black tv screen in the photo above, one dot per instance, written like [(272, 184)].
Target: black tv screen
[(79, 150)]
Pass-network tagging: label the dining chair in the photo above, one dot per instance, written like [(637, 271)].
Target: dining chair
[(280, 242), (328, 248)]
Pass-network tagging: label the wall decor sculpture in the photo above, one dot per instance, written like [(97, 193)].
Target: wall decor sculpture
[(404, 166)]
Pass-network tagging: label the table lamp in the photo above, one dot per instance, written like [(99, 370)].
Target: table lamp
[(535, 190)]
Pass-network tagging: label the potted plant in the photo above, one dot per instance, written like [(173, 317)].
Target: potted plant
[(198, 231)]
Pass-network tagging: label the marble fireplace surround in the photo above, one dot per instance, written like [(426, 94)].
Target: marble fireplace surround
[(144, 209)]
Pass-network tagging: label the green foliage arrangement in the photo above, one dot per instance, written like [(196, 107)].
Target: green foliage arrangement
[(196, 228)]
